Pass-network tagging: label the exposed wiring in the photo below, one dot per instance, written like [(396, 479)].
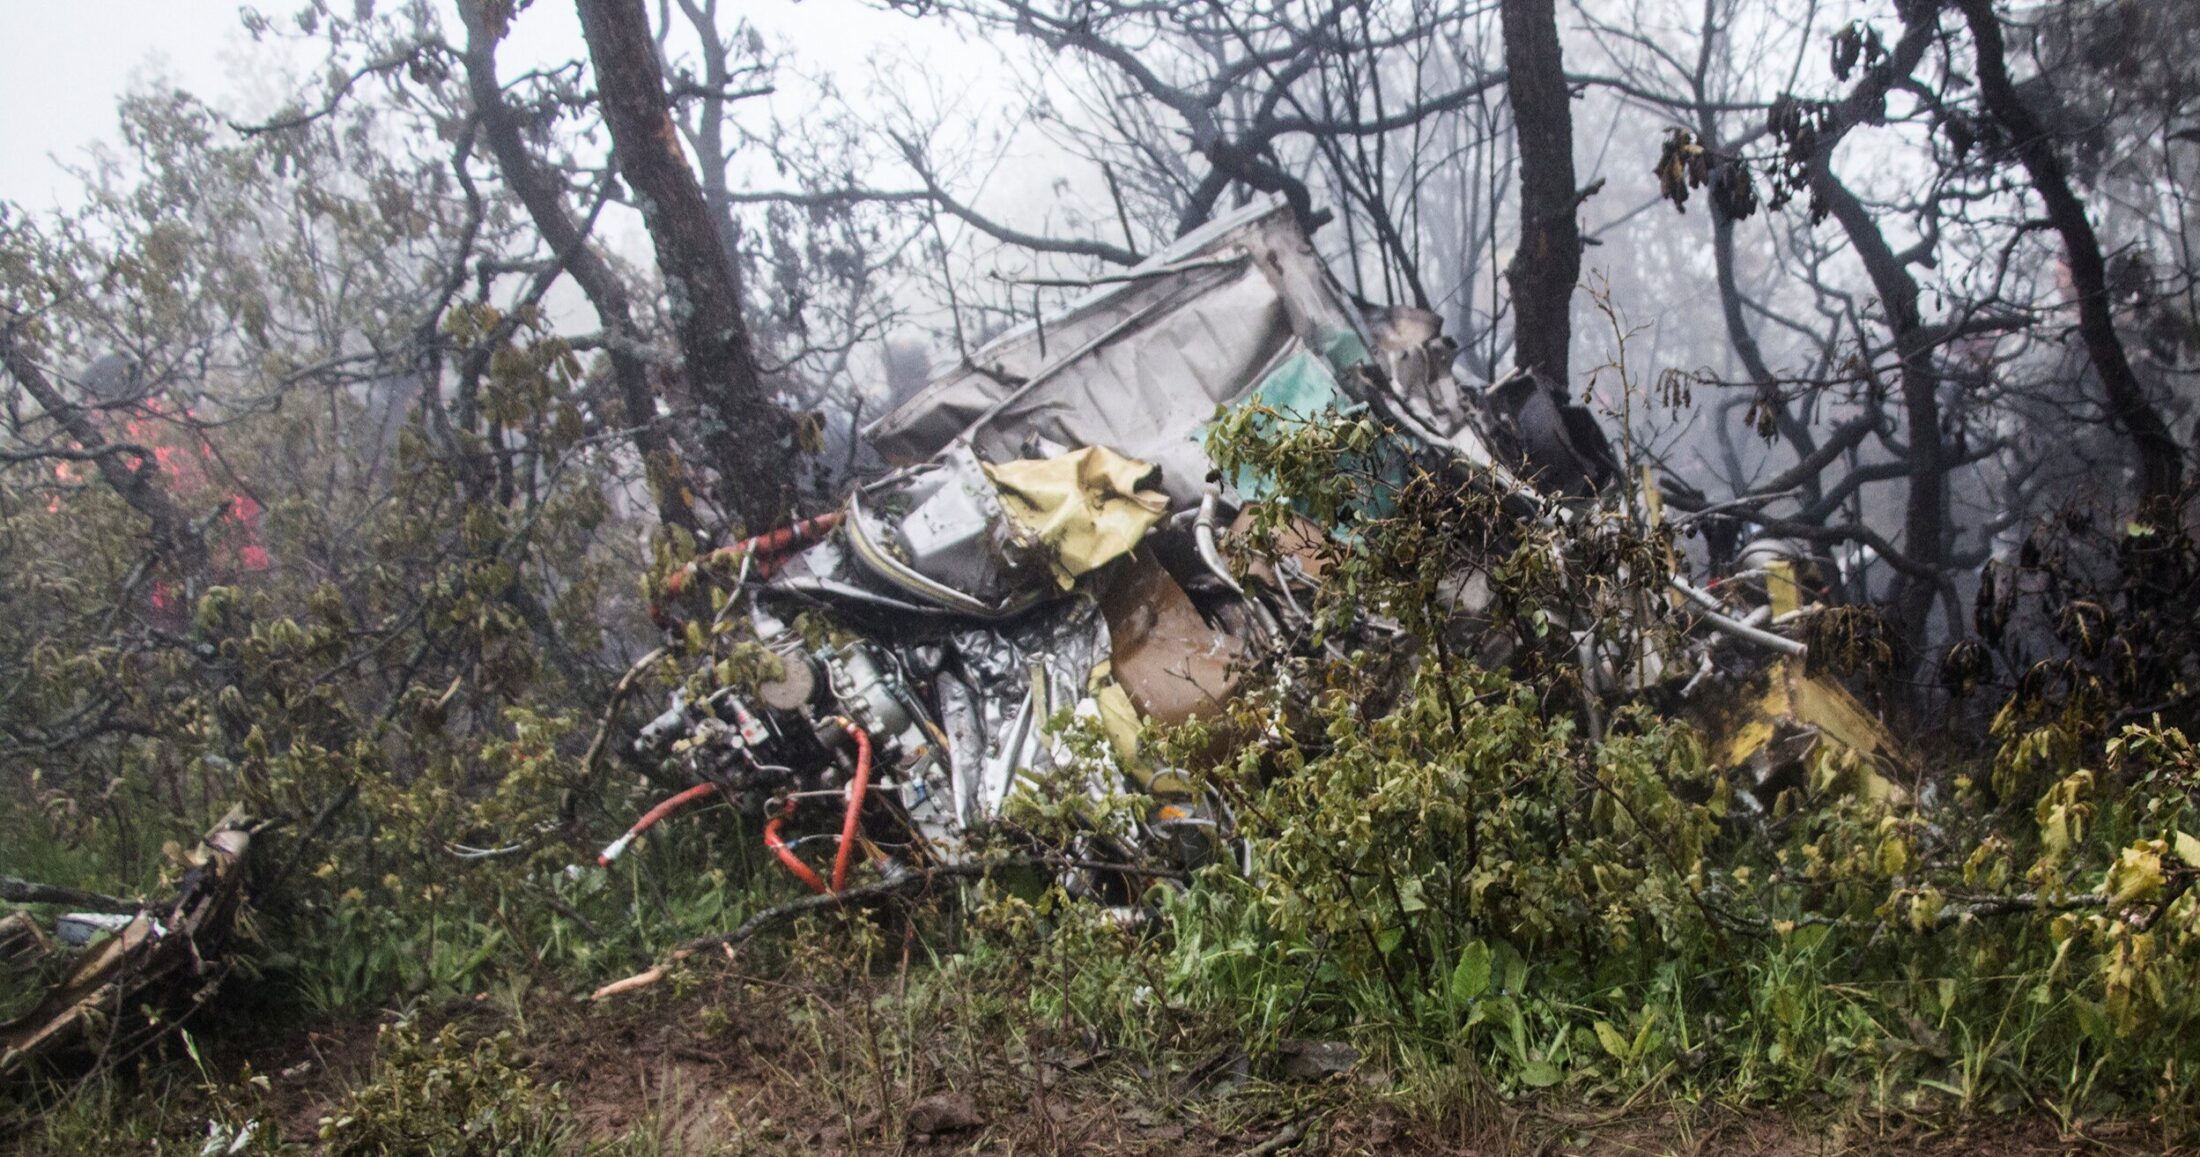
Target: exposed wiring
[(858, 788), (787, 857), (762, 554), (825, 591)]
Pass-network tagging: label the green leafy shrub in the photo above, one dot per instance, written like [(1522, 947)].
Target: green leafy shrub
[(1450, 873), (440, 1096)]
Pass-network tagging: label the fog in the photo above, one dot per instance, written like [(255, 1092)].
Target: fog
[(1540, 573), (915, 179)]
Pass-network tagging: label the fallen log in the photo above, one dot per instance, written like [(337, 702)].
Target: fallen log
[(16, 891)]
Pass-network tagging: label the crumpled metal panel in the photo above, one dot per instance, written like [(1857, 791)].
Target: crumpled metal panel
[(1789, 728), (1148, 391), (939, 533), (1022, 676), (1139, 366)]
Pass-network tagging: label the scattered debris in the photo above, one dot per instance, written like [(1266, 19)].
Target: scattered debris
[(159, 956), (1790, 729), (1049, 550), (1047, 562), (76, 929)]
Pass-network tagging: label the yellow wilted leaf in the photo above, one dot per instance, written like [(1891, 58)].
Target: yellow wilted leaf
[(2055, 830), (2136, 874), (1925, 909)]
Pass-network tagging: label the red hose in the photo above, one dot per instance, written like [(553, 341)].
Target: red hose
[(767, 548), (649, 820), (786, 855), (769, 545), (856, 789)]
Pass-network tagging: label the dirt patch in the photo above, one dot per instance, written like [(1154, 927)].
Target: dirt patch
[(751, 1064), (725, 1062), (308, 1075)]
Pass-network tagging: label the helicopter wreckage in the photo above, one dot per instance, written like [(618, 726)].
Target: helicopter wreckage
[(1050, 557)]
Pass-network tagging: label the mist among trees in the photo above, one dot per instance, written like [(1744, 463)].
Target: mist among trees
[(346, 448)]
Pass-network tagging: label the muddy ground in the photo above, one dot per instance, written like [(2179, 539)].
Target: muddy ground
[(736, 1063)]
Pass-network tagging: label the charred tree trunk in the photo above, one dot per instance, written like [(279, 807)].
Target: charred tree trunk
[(2161, 467), (1544, 269), (750, 438), (540, 193)]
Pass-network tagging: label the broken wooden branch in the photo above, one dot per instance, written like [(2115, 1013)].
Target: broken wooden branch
[(164, 951), (17, 891), (1277, 1142)]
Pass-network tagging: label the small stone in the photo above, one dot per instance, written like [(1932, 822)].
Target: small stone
[(1311, 1060), (945, 1113)]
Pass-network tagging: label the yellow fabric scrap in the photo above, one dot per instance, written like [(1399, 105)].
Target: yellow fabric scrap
[(1780, 584), (1119, 720), (1086, 506)]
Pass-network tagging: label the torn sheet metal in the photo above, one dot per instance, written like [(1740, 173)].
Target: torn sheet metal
[(1037, 469), (1053, 552), (1025, 676), (161, 955), (1139, 366), (940, 534), (1416, 359), (990, 539)]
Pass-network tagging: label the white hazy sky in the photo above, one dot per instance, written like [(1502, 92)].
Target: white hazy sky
[(63, 63)]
